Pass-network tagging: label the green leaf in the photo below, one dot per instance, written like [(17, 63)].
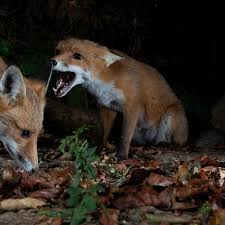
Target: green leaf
[(91, 159), (89, 203), (75, 196), (90, 151), (79, 214), (90, 171)]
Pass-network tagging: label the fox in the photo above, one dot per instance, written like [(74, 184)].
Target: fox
[(152, 113), (22, 104)]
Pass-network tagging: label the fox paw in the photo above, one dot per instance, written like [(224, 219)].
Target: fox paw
[(122, 156), (110, 146)]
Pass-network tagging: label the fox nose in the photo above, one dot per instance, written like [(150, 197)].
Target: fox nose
[(34, 169), (53, 62)]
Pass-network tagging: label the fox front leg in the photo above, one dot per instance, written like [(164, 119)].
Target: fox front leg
[(130, 119), (107, 118)]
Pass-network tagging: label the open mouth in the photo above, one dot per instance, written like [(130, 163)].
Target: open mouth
[(64, 83)]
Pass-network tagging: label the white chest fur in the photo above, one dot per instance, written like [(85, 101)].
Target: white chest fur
[(107, 95)]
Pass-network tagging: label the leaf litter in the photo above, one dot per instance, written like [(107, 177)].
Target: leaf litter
[(140, 190)]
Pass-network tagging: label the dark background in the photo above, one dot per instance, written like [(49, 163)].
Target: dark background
[(183, 39)]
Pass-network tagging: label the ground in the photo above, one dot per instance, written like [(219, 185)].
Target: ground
[(157, 185)]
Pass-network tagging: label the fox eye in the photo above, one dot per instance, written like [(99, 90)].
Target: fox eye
[(77, 56), (25, 133), (57, 51)]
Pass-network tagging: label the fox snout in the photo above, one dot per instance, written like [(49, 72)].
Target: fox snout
[(29, 165), (53, 62)]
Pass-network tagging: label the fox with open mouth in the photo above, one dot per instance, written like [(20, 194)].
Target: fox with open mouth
[(151, 111)]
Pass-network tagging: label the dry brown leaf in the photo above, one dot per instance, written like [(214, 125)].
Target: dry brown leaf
[(206, 161), (222, 173), (42, 179), (138, 176), (153, 165), (143, 196), (51, 193), (18, 204), (184, 205), (109, 217), (156, 179), (193, 188), (218, 217), (120, 166), (132, 162), (183, 174), (52, 221)]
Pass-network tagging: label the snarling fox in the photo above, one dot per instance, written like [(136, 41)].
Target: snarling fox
[(22, 104), (151, 111)]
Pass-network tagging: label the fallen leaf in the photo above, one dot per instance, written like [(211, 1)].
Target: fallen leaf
[(167, 218), (184, 206), (120, 166), (193, 188), (218, 217), (132, 162), (18, 204), (42, 179), (183, 174), (138, 176), (56, 221), (142, 196), (52, 221), (222, 173), (49, 194), (109, 217), (154, 164), (8, 174), (206, 161), (156, 179), (210, 169)]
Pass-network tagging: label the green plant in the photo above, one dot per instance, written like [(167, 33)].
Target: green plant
[(82, 201), (73, 142)]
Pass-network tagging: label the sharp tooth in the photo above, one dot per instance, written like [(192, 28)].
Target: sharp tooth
[(54, 89)]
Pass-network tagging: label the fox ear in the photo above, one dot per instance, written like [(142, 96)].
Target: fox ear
[(110, 58), (12, 86), (38, 87)]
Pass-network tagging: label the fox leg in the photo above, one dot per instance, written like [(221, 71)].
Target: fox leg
[(130, 119), (107, 118)]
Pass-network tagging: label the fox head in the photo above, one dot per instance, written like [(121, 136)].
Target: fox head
[(82, 61), (21, 116)]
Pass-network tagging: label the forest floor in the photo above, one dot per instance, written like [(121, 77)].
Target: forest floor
[(157, 185)]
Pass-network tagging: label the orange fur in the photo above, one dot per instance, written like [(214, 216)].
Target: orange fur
[(148, 103), (21, 111)]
